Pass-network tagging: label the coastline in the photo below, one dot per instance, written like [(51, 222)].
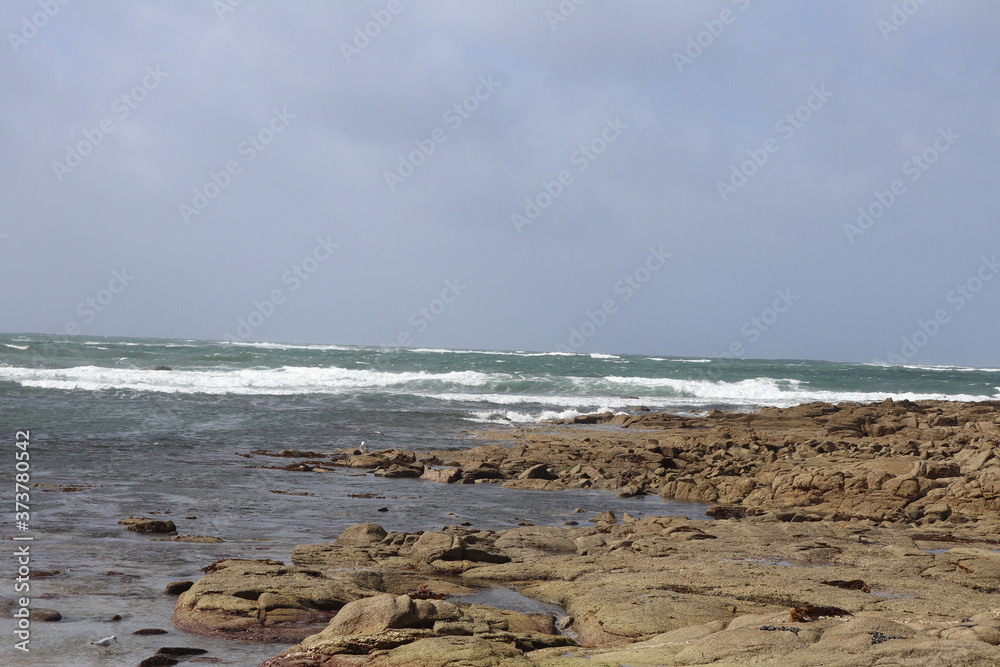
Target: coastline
[(843, 534)]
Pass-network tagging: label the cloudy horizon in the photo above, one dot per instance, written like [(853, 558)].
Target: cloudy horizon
[(730, 178)]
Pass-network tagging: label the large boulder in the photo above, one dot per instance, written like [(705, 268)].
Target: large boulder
[(432, 546), (372, 615), (456, 545), (452, 651), (267, 600), (396, 629), (361, 535)]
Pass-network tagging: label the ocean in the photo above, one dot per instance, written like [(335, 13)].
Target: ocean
[(111, 438)]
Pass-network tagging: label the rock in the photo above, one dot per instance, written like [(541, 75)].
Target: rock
[(872, 492), (361, 535), (432, 546), (144, 525), (447, 475), (399, 471), (809, 612), (178, 587), (393, 627), (370, 616), (45, 615), (197, 539), (150, 631), (607, 516), (159, 661), (938, 511), (160, 368), (535, 542), (266, 601), (449, 651), (366, 460), (180, 651), (540, 471)]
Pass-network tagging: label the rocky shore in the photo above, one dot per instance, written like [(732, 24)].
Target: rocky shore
[(841, 535)]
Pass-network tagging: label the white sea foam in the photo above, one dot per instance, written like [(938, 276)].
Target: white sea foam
[(282, 381), (515, 417), (599, 355), (559, 394), (948, 369), (289, 346), (498, 353), (16, 347)]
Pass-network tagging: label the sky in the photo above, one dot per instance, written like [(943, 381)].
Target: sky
[(744, 178)]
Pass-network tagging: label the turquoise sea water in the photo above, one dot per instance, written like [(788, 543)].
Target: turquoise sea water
[(138, 441)]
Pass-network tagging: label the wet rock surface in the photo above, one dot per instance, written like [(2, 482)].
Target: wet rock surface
[(844, 535)]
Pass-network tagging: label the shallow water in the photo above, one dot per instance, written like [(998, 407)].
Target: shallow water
[(505, 598), (105, 570)]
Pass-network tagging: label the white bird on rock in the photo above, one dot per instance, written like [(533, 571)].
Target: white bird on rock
[(363, 447)]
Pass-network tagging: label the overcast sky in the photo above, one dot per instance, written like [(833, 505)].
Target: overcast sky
[(672, 178)]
